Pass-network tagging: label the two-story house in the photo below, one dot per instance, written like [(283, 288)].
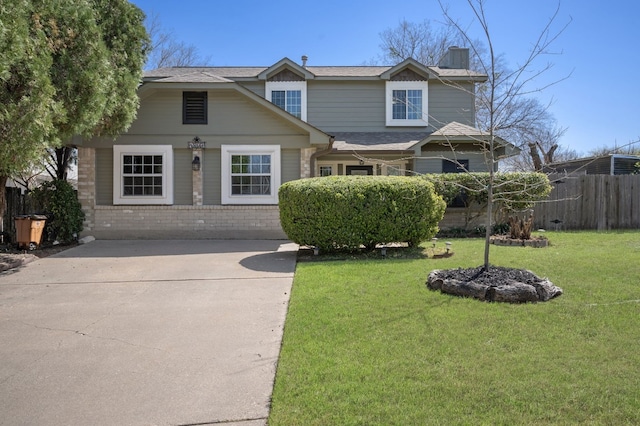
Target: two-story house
[(211, 146)]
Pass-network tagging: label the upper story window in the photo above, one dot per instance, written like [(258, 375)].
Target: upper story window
[(194, 107), (291, 96), (406, 103), (143, 174)]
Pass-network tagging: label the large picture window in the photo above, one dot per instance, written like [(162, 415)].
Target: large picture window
[(406, 103), (291, 96), (143, 174), (250, 174)]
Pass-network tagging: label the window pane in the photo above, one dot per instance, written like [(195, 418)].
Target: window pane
[(414, 104), (253, 176), (399, 104), (142, 175), (294, 102), (325, 171), (278, 97)]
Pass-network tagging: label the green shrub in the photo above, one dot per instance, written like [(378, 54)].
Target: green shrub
[(345, 212), (57, 199), (512, 191)]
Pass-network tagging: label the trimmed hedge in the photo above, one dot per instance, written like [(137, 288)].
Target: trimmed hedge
[(346, 212)]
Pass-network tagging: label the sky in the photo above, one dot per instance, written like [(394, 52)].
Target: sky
[(595, 59)]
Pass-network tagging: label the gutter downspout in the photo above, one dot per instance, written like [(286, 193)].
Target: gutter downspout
[(316, 154)]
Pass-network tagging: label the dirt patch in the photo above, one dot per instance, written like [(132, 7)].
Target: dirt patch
[(11, 257)]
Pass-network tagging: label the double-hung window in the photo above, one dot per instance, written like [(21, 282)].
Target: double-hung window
[(143, 174), (250, 174), (291, 96), (406, 103)]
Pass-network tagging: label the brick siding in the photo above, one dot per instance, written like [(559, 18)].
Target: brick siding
[(185, 222)]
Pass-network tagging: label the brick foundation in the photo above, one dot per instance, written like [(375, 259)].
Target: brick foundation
[(186, 222)]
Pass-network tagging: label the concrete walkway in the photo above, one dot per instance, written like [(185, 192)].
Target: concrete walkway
[(144, 333)]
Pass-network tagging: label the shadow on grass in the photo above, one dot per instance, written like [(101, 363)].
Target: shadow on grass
[(306, 254)]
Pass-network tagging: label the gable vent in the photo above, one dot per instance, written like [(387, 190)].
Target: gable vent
[(194, 108)]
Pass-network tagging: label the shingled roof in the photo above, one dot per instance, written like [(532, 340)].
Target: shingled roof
[(322, 72), (377, 141)]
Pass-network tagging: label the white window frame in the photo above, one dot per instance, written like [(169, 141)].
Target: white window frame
[(271, 86), (119, 151), (225, 167), (407, 85)]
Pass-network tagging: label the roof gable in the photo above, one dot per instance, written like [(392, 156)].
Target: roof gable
[(414, 67), (285, 64), (459, 132)]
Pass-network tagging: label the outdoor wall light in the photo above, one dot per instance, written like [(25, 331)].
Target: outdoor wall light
[(362, 162), (195, 164)]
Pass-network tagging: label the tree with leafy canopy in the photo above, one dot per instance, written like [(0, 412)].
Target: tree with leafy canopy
[(28, 109), (67, 67)]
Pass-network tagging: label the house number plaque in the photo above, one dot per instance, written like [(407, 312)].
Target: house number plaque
[(197, 143)]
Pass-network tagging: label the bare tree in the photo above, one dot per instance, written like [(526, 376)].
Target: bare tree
[(523, 120), (166, 51), (506, 93), (420, 41), (540, 145)]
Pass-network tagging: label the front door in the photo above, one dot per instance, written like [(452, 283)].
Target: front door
[(360, 170)]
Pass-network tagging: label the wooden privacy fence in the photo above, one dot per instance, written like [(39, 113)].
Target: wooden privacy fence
[(599, 202), (17, 204)]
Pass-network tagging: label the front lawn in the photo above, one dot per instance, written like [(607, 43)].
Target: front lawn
[(366, 342)]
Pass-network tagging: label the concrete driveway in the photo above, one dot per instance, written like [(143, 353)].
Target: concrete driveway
[(144, 333)]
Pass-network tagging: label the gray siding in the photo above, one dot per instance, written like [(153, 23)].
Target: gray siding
[(256, 87), (431, 162), (232, 119), (104, 177), (182, 177), (211, 177), (290, 159), (447, 104), (357, 106)]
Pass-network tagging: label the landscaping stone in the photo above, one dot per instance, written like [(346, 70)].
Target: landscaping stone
[(498, 284), (503, 240)]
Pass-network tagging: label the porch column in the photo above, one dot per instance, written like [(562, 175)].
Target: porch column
[(305, 162), (197, 161), (87, 186)]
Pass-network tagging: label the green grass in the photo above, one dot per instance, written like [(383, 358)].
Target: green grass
[(366, 343)]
